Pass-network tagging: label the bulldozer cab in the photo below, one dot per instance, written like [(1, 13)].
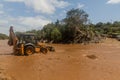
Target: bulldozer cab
[(27, 38)]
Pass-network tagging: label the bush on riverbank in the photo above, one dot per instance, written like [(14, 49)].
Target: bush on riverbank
[(3, 36)]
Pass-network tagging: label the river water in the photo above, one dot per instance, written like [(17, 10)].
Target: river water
[(69, 62)]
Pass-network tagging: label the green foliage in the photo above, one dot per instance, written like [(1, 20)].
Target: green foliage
[(47, 29), (110, 29), (56, 35), (74, 21), (76, 17), (74, 28), (3, 36)]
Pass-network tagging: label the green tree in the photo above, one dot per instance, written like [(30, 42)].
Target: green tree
[(75, 20), (56, 35), (76, 17), (47, 29), (3, 36)]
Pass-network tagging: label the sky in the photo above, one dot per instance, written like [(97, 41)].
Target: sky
[(26, 15)]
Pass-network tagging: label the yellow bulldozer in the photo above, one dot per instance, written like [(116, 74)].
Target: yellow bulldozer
[(26, 44)]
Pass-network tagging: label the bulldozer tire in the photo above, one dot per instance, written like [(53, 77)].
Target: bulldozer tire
[(29, 50), (43, 50)]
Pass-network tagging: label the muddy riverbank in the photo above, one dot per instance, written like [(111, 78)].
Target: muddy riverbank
[(69, 62)]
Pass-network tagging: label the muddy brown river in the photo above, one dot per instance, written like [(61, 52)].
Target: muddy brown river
[(69, 62)]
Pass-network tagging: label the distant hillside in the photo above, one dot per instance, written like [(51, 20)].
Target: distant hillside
[(3, 36)]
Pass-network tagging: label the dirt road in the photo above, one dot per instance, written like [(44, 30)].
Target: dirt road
[(69, 62)]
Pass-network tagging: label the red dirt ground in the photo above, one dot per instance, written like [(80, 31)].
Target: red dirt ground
[(69, 62)]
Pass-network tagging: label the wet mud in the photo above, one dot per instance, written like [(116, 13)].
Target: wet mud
[(69, 62)]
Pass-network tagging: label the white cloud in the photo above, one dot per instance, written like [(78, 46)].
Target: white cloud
[(14, 0), (59, 4), (1, 12), (3, 22), (80, 5), (22, 23), (1, 9), (113, 2), (43, 6), (1, 6), (34, 22)]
